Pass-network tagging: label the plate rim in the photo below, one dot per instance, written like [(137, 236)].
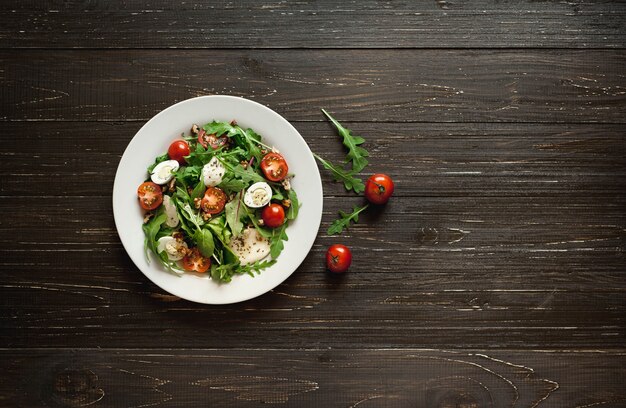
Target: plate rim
[(116, 194)]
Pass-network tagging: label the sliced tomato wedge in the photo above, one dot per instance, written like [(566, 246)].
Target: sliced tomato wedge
[(211, 140), (150, 195), (213, 201), (195, 262), (274, 166)]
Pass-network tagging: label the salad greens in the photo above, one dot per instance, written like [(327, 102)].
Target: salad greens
[(357, 157), (344, 221), (350, 182), (356, 154), (210, 234)]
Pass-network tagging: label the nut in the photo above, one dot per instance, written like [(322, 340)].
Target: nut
[(196, 202), (233, 122), (195, 129), (147, 217), (206, 216), (286, 203), (172, 184)]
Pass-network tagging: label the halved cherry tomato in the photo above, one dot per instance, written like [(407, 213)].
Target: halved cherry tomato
[(378, 188), (212, 140), (273, 215), (195, 262), (338, 258), (213, 201), (274, 166), (178, 150), (150, 195)]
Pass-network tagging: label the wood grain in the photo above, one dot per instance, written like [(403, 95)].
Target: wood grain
[(308, 24), (368, 85), (493, 278), (550, 277), (424, 159), (313, 377)]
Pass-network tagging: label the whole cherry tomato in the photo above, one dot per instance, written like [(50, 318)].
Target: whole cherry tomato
[(178, 150), (150, 195), (274, 166), (273, 215), (338, 258), (378, 188)]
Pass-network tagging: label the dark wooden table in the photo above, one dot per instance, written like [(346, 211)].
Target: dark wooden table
[(494, 278)]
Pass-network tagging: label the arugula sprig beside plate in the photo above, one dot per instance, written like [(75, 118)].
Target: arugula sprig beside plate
[(356, 157)]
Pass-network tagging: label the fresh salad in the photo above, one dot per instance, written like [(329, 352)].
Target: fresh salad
[(219, 202)]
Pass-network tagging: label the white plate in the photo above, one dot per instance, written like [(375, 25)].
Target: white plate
[(154, 138)]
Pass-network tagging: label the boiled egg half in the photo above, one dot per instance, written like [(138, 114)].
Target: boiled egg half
[(174, 248), (258, 195), (164, 171)]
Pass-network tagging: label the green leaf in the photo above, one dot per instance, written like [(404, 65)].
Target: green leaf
[(158, 160), (350, 182), (344, 221), (198, 191), (292, 212), (356, 153), (151, 229), (276, 241), (246, 175), (220, 128), (204, 241), (232, 185), (235, 210)]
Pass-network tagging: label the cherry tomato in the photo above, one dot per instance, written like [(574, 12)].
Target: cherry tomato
[(178, 150), (212, 140), (378, 188), (273, 215), (195, 262), (150, 195), (274, 166), (213, 201), (338, 258)]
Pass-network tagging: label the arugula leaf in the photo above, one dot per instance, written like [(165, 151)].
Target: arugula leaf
[(158, 160), (247, 175), (151, 229), (220, 128), (187, 176), (204, 241), (198, 191), (356, 153), (170, 266), (218, 226), (292, 212), (252, 141), (189, 214), (232, 184), (346, 176), (344, 221), (234, 212), (276, 241), (225, 272)]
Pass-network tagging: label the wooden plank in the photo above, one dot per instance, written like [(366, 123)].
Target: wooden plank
[(461, 160), (427, 272), (369, 85), (313, 378), (308, 24)]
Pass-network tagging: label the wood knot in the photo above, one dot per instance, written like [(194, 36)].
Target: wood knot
[(75, 388)]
